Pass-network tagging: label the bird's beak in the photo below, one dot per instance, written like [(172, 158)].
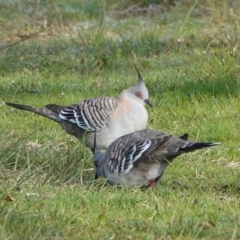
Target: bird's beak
[(147, 101)]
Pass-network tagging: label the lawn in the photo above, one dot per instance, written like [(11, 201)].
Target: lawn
[(64, 51)]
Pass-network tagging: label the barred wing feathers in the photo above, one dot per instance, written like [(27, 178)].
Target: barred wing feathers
[(90, 114), (127, 151)]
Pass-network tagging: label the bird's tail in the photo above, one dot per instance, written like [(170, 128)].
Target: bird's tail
[(55, 108), (192, 146), (40, 111), (51, 112)]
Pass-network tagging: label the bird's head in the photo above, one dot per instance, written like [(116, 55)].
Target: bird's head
[(140, 89)]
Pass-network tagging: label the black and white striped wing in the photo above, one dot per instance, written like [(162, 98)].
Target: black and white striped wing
[(126, 151), (132, 155), (91, 114), (130, 149)]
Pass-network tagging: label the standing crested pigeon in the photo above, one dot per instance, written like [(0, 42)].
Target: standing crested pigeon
[(112, 117), (140, 158)]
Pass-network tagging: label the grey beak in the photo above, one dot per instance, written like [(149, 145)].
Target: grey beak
[(147, 101)]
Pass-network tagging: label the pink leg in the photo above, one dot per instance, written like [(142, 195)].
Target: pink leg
[(152, 184)]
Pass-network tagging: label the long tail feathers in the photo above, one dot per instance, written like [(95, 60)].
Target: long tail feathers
[(195, 146), (55, 108), (40, 111)]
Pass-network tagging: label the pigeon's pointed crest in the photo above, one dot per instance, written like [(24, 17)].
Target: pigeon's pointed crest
[(140, 79)]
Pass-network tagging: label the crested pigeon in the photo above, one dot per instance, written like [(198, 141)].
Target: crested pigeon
[(140, 158), (112, 117)]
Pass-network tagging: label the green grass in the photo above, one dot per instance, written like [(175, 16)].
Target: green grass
[(64, 51)]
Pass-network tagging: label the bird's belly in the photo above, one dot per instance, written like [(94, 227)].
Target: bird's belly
[(143, 175)]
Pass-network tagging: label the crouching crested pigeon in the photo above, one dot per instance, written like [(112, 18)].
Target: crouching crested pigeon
[(112, 117), (140, 158)]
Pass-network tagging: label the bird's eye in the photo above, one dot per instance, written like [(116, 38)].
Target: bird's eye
[(138, 94)]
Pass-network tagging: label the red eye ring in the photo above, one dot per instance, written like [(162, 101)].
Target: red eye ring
[(138, 94)]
